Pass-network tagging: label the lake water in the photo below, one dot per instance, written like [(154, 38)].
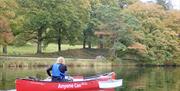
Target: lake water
[(134, 78)]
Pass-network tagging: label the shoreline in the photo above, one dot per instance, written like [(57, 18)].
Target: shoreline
[(40, 62), (24, 61), (34, 57)]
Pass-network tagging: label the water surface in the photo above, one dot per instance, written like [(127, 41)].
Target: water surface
[(135, 78)]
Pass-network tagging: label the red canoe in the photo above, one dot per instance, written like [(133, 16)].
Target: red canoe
[(85, 84), (31, 85)]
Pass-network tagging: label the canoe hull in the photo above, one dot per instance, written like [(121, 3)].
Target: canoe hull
[(78, 83), (28, 85), (110, 83)]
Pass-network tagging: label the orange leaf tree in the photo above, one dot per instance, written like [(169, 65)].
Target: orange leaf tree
[(6, 13), (158, 31)]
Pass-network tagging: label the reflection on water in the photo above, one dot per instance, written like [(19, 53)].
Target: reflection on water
[(8, 75), (153, 79), (134, 78), (9, 90)]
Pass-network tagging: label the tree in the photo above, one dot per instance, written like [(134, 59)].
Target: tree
[(154, 33), (55, 21), (37, 19), (6, 36), (103, 16), (172, 21), (6, 15), (67, 22), (91, 23)]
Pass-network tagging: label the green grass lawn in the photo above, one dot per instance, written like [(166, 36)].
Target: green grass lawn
[(31, 49), (54, 47)]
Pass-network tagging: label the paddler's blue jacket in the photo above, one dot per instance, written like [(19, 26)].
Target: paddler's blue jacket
[(58, 70)]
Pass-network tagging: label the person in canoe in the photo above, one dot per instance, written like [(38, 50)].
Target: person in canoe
[(58, 70)]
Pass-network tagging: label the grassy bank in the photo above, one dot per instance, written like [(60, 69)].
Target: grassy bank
[(39, 62), (31, 49), (76, 53)]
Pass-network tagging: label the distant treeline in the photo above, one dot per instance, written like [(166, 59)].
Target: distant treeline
[(144, 32)]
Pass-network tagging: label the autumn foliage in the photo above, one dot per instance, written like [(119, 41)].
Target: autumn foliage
[(6, 35), (158, 32), (6, 13)]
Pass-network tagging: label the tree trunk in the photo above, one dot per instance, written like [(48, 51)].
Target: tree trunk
[(4, 49), (89, 45), (89, 42), (39, 42), (84, 41), (59, 40), (101, 41)]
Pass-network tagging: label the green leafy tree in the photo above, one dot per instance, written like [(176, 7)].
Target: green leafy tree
[(103, 16), (37, 20), (68, 20), (91, 23)]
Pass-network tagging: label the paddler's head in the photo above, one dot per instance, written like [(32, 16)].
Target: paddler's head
[(60, 60)]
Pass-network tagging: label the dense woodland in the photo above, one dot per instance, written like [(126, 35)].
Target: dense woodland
[(145, 32)]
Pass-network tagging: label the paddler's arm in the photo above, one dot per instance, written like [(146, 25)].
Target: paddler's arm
[(48, 70)]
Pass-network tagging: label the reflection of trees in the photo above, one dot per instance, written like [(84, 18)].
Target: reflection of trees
[(134, 78), (3, 79), (129, 75), (151, 79), (88, 71), (10, 74), (162, 79)]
